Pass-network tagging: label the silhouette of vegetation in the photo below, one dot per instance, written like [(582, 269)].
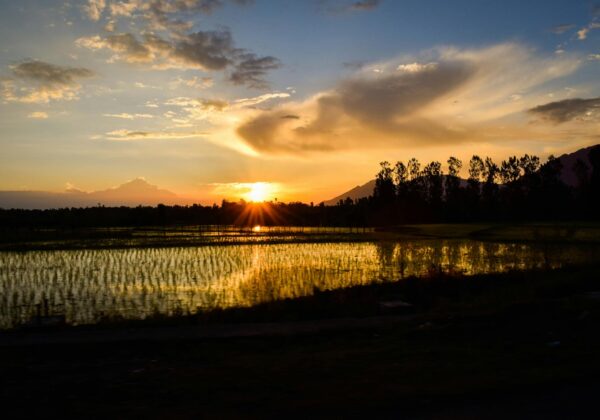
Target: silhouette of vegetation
[(517, 189)]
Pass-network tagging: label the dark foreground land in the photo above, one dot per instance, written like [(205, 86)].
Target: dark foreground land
[(514, 345)]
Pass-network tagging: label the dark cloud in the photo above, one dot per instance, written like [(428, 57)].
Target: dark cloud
[(378, 105), (206, 50), (214, 104), (211, 50), (167, 42), (561, 29), (36, 81), (263, 134), (291, 117), (130, 47), (50, 74), (567, 110), (250, 70)]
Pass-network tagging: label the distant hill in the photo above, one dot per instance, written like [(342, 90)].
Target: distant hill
[(132, 193), (568, 160), (355, 193), (567, 175)]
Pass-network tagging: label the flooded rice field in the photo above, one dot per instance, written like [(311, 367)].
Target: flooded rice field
[(90, 284)]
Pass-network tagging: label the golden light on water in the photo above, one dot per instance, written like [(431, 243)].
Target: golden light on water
[(256, 228)]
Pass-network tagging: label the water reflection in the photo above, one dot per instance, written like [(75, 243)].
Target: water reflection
[(84, 285)]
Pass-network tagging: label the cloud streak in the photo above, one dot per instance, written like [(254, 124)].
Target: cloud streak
[(130, 135)]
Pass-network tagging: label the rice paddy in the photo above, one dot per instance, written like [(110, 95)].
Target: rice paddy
[(88, 285)]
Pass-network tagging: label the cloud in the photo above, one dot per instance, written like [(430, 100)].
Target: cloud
[(166, 39), (561, 29), (454, 96), (247, 102), (343, 6), (194, 82), (250, 70), (207, 50), (125, 46), (50, 74), (213, 104), (36, 81), (202, 50), (568, 110), (594, 57), (94, 9), (129, 135), (364, 5), (582, 34), (38, 115), (125, 116), (215, 111)]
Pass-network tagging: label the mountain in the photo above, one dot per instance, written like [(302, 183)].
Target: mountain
[(567, 175), (355, 193), (568, 161), (137, 191), (132, 193)]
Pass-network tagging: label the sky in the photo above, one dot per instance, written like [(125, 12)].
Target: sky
[(206, 97)]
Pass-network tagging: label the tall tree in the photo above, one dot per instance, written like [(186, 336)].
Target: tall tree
[(384, 192)]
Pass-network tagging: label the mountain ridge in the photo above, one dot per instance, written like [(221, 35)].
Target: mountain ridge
[(135, 192)]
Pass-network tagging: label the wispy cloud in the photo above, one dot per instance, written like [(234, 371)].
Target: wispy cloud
[(130, 135), (126, 116), (561, 29), (38, 115)]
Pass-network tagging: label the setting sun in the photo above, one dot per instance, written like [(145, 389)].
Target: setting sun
[(260, 191)]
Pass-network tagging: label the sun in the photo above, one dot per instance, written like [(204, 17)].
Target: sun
[(259, 191)]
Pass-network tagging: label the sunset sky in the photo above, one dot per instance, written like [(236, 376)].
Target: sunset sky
[(203, 97)]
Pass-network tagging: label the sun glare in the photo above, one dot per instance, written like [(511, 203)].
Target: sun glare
[(260, 191)]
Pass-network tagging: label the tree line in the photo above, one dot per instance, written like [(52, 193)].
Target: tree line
[(516, 189), (519, 188)]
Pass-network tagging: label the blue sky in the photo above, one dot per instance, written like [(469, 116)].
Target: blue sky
[(204, 97)]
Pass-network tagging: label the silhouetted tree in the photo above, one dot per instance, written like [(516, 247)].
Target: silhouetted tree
[(452, 189), (385, 191), (432, 176)]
